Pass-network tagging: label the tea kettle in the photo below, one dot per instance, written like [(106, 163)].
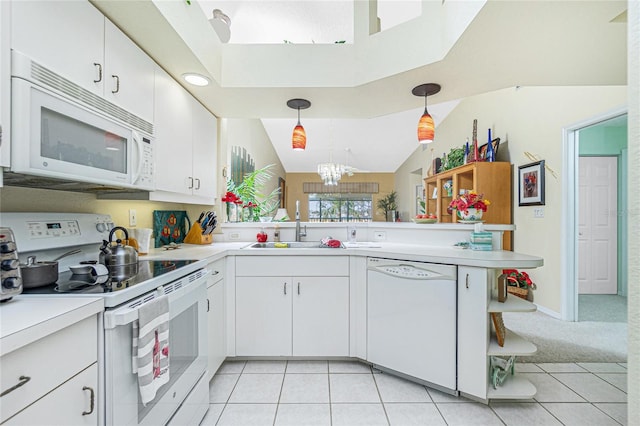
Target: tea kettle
[(117, 254)]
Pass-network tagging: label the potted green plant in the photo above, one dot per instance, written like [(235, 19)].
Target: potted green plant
[(249, 192), (387, 205)]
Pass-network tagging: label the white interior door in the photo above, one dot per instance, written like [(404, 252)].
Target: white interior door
[(598, 226)]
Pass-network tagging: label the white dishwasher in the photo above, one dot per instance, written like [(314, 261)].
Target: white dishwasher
[(411, 319)]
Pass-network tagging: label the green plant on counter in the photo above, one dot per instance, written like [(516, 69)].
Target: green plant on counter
[(250, 191), (387, 203), (455, 158)]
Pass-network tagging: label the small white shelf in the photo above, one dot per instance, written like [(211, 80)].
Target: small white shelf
[(512, 304), (514, 387), (513, 345)]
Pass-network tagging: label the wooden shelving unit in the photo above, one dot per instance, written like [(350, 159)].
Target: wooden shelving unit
[(491, 179)]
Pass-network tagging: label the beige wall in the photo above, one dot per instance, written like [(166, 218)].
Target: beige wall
[(529, 119), (294, 192)]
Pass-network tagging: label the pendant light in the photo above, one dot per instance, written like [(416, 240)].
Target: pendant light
[(299, 138), (426, 126)]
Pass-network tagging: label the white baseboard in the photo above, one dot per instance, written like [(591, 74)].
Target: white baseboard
[(549, 312)]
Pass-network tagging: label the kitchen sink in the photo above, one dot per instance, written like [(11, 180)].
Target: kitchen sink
[(291, 244)]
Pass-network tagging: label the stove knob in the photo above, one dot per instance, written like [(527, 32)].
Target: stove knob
[(8, 247), (101, 227), (10, 264), (11, 282)]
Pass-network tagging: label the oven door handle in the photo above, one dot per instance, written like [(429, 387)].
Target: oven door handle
[(129, 313)]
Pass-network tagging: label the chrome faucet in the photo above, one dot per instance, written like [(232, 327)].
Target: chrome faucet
[(299, 233)]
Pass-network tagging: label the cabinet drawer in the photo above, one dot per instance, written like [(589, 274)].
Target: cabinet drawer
[(217, 271), (299, 266), (48, 362), (65, 405)]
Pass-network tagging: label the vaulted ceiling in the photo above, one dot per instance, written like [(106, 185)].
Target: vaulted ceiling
[(361, 91)]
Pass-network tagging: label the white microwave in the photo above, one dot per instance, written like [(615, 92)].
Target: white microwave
[(62, 131)]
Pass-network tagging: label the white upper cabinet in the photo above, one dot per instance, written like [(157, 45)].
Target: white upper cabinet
[(186, 145), (4, 85), (76, 41)]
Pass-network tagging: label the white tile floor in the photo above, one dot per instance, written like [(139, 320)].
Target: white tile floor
[(344, 393)]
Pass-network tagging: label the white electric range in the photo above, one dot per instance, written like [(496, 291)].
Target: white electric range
[(185, 397)]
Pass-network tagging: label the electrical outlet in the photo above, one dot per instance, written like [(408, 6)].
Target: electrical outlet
[(538, 212), (379, 236), (234, 236), (133, 217)]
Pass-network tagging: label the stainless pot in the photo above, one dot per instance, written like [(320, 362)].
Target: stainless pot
[(37, 274), (117, 254)]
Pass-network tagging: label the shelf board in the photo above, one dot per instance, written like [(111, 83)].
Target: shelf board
[(514, 387), (513, 345), (512, 304)]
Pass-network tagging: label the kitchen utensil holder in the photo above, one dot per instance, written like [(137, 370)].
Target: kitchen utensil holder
[(194, 236)]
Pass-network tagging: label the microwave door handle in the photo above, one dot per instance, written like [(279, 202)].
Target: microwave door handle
[(138, 141)]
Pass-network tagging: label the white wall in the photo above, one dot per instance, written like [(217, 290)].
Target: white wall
[(528, 119)]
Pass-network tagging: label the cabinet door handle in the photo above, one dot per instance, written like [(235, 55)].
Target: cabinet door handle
[(467, 281), (191, 184), (22, 381), (208, 305), (117, 79), (298, 288), (197, 183), (285, 288), (91, 399), (99, 66)]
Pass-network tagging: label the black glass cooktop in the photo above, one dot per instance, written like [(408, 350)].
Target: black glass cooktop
[(119, 278)]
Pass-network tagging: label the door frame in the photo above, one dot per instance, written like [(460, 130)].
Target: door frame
[(569, 224)]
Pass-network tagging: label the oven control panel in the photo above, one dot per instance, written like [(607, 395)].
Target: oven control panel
[(11, 280), (46, 230)]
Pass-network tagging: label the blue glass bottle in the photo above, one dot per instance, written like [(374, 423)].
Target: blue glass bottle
[(490, 154)]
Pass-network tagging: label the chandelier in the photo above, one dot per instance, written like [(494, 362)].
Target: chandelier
[(330, 173)]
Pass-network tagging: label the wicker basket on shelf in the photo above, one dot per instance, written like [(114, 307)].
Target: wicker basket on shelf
[(522, 293)]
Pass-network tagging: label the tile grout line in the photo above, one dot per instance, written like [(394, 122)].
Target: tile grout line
[(330, 402), (384, 408), (230, 393), (284, 374)]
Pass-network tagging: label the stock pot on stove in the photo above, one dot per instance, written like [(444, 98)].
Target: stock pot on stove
[(38, 273)]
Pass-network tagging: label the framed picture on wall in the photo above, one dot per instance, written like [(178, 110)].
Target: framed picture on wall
[(531, 184)]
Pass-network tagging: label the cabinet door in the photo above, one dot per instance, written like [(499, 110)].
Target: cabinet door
[(215, 320), (128, 73), (65, 404), (321, 316), (66, 37), (473, 331), (205, 127), (173, 135), (263, 316)]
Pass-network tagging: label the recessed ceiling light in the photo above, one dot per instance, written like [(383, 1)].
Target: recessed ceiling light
[(196, 79)]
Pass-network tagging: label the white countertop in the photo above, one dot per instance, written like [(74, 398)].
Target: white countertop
[(404, 251), (24, 320)]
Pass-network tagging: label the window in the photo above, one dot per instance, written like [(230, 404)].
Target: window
[(340, 207)]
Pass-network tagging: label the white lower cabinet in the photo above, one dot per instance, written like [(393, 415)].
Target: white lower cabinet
[(53, 381), (299, 316), (216, 317), (477, 341), (263, 316), (291, 308), (72, 403)]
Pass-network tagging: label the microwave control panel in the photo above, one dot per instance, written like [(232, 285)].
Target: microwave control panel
[(147, 178)]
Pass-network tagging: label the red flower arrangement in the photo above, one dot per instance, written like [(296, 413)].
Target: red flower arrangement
[(469, 200), (519, 279), (230, 197)]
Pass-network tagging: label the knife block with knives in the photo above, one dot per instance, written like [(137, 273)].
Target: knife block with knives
[(201, 231)]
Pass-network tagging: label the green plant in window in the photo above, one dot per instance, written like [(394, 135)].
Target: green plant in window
[(387, 203), (254, 202)]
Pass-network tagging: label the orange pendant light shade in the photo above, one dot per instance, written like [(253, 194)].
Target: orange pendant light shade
[(299, 138), (426, 128)]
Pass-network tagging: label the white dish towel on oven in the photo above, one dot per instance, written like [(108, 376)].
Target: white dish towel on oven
[(151, 347)]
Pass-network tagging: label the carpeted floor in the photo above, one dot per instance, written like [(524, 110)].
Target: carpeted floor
[(602, 308), (564, 341)]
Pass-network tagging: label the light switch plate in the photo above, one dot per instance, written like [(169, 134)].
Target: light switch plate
[(133, 217), (538, 212)]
